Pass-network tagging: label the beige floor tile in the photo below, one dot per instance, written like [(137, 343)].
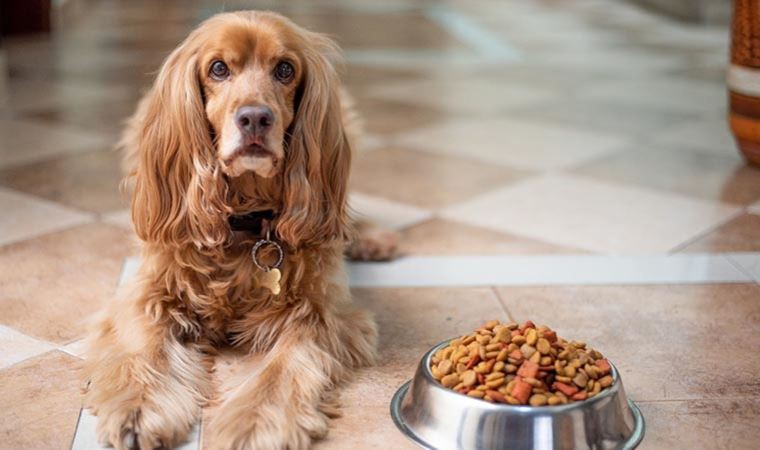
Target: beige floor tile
[(381, 116), (425, 180), (739, 235), (702, 175), (39, 403), (702, 424), (24, 216), (16, 347), (446, 237), (598, 216), (669, 94), (660, 337), (52, 284), (385, 213), (26, 141), (87, 181), (464, 95), (513, 143)]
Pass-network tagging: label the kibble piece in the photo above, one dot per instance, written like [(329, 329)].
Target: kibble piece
[(527, 350), (445, 367), (450, 380), (469, 378), (531, 337), (497, 396), (605, 381), (538, 400), (543, 346), (580, 380), (475, 393)]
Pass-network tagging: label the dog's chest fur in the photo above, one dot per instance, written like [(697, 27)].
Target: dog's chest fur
[(222, 300)]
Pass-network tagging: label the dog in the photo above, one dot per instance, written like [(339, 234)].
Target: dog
[(241, 153)]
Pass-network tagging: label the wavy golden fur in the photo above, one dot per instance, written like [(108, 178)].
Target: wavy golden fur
[(150, 356)]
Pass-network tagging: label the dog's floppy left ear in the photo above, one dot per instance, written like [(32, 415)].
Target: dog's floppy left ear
[(179, 196), (318, 155)]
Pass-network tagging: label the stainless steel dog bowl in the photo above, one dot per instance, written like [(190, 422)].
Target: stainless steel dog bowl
[(435, 417)]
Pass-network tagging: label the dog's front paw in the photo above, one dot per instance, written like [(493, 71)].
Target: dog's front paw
[(140, 428), (266, 426)]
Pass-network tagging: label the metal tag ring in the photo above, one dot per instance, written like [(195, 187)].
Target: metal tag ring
[(257, 247)]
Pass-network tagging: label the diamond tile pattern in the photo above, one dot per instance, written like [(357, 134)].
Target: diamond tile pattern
[(511, 127)]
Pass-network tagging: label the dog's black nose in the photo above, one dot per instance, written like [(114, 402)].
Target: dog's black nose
[(254, 120)]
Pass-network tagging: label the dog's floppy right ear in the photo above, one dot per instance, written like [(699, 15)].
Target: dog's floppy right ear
[(179, 190)]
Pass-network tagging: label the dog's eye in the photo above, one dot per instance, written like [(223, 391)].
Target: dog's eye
[(219, 70), (284, 71)]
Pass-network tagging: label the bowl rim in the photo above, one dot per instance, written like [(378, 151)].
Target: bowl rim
[(425, 369)]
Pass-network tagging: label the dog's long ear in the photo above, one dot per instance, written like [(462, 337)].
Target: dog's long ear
[(318, 155), (178, 188)]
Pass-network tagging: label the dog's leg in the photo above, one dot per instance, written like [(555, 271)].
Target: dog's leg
[(145, 386), (285, 402)]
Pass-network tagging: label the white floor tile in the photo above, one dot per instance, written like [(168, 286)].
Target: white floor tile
[(598, 216), (514, 143), (546, 270), (24, 216), (16, 347), (709, 134), (671, 94)]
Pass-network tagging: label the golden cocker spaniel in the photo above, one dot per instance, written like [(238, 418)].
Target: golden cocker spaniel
[(241, 158)]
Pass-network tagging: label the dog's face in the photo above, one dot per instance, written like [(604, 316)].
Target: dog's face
[(250, 76), (248, 95)]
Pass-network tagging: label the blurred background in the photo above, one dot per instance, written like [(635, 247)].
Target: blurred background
[(512, 128)]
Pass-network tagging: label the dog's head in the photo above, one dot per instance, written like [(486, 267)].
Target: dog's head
[(247, 94)]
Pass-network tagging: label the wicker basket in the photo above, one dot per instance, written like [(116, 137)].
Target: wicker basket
[(744, 78)]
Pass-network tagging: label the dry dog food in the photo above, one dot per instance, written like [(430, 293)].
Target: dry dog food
[(521, 365)]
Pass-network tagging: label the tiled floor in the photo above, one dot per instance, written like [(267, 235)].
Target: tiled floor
[(582, 127)]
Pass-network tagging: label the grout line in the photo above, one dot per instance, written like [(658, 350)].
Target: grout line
[(503, 304), (707, 232), (732, 260), (740, 268)]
